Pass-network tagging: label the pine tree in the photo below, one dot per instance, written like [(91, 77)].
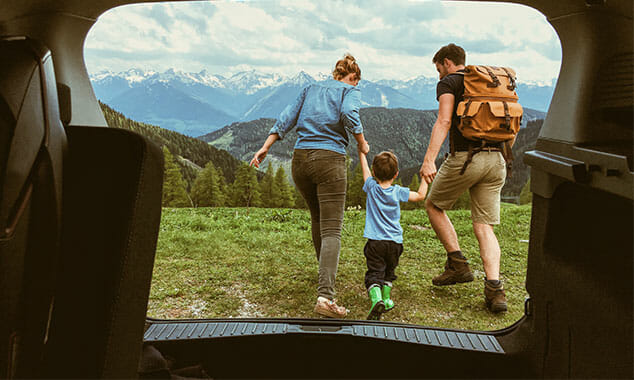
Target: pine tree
[(246, 192), (266, 186), (300, 202), (206, 191), (224, 188), (356, 196), (282, 193), (230, 197), (174, 193)]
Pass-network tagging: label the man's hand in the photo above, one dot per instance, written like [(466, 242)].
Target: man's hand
[(428, 171), (364, 147), (258, 157)]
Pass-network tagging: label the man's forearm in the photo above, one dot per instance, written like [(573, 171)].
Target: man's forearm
[(438, 135)]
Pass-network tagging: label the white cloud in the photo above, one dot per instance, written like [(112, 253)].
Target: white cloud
[(391, 40)]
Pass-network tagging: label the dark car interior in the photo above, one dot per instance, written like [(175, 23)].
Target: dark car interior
[(80, 207)]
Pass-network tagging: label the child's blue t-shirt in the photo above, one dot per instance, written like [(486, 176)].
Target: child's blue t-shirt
[(383, 211)]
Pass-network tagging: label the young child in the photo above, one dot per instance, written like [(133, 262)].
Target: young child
[(382, 227)]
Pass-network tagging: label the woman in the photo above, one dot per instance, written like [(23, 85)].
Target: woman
[(323, 113)]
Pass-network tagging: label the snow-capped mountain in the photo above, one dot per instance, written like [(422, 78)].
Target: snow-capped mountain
[(250, 82), (202, 77), (199, 103)]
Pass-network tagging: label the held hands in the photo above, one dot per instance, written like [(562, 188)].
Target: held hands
[(428, 171), (258, 157), (363, 148)]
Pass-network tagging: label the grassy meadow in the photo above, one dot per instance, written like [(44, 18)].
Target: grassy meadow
[(238, 262)]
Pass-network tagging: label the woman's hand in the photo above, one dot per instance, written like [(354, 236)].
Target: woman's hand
[(364, 147), (258, 157)]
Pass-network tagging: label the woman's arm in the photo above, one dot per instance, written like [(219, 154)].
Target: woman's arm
[(362, 144), (288, 117), (286, 122), (351, 119), (261, 154), (350, 111)]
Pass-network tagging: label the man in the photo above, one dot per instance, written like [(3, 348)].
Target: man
[(484, 178)]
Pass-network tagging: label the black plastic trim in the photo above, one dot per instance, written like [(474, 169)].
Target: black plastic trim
[(193, 330)]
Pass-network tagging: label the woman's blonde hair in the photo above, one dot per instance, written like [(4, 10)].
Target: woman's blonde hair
[(345, 66)]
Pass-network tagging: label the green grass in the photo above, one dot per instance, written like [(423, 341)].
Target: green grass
[(234, 262)]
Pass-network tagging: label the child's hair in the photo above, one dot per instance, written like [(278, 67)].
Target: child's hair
[(385, 166), (345, 66)]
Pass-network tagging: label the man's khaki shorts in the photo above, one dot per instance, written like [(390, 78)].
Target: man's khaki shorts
[(483, 178)]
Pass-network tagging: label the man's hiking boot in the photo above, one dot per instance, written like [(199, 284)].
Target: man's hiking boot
[(456, 270), (387, 301), (376, 298), (495, 297), (329, 308)]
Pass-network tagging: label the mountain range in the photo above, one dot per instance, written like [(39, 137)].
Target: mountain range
[(199, 103)]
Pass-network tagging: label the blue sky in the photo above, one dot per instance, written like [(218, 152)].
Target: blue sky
[(390, 39)]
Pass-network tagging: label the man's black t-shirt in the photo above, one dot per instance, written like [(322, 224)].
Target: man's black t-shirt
[(454, 84)]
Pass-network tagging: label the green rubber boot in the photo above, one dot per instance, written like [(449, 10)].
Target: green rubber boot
[(377, 303), (387, 301)]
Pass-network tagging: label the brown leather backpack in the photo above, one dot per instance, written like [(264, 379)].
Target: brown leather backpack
[(489, 112)]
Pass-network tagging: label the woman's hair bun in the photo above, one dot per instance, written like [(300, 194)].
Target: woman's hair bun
[(346, 65)]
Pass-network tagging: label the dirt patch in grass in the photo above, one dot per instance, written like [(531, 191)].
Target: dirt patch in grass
[(248, 309)]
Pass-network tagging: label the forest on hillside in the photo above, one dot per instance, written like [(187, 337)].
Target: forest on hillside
[(402, 130), (194, 154), (198, 174)]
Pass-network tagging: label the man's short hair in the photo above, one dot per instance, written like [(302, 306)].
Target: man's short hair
[(452, 52), (385, 166)]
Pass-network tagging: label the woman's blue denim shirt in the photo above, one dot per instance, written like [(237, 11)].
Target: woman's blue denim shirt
[(322, 112)]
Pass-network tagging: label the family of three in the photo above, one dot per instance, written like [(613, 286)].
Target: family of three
[(324, 114)]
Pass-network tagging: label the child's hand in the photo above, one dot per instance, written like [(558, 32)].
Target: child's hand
[(420, 194), (363, 161)]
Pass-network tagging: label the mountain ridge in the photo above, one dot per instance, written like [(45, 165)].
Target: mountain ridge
[(250, 95)]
